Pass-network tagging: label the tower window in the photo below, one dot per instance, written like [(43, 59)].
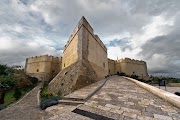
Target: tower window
[(37, 70), (64, 64), (104, 65)]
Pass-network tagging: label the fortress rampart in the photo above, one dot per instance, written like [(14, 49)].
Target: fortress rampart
[(43, 67), (129, 67)]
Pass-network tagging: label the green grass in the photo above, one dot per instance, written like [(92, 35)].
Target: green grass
[(9, 97)]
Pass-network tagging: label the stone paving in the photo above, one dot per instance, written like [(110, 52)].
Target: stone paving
[(126, 100), (121, 99), (118, 99), (25, 109)]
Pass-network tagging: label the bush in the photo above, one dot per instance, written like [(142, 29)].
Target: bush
[(45, 94), (134, 77), (177, 93), (2, 106), (49, 102), (122, 74), (33, 80), (17, 93), (8, 81)]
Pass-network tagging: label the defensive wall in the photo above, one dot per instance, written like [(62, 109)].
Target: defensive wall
[(129, 67), (84, 44), (43, 67)]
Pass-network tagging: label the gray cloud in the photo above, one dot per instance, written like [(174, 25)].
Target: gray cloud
[(34, 27), (166, 47)]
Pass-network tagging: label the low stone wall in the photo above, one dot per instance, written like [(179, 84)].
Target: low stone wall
[(169, 97), (174, 84)]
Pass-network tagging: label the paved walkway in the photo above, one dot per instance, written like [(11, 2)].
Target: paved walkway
[(25, 109), (119, 99)]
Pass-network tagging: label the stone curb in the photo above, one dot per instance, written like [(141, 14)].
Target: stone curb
[(87, 96), (169, 97), (98, 88)]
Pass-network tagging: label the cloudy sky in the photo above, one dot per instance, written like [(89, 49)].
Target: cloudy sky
[(139, 29)]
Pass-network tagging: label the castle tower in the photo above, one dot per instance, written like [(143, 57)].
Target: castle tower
[(84, 61)]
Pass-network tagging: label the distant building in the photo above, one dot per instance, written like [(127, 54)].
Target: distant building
[(18, 67)]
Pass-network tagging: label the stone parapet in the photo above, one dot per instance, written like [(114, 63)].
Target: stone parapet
[(169, 97)]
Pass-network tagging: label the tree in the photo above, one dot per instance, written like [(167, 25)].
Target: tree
[(17, 93), (5, 70)]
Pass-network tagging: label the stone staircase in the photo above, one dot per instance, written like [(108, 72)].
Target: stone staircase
[(82, 95)]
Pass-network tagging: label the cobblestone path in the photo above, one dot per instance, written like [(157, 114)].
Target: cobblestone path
[(120, 99), (25, 109)]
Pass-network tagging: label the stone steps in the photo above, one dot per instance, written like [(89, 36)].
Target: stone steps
[(80, 96), (70, 102)]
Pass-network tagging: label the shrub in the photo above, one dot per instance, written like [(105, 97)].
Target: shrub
[(49, 102), (2, 106), (177, 93), (33, 80), (122, 74), (134, 77), (17, 93), (8, 81)]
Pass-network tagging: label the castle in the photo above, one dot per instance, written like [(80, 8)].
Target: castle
[(84, 61)]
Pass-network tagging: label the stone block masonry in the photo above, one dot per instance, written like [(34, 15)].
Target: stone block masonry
[(129, 67), (43, 67)]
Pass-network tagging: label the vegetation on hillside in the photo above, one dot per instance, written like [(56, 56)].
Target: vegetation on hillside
[(155, 79), (13, 85)]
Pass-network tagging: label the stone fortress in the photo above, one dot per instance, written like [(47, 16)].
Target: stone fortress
[(43, 67), (84, 61)]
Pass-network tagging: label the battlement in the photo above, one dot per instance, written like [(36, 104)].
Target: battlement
[(128, 60), (45, 58), (111, 60)]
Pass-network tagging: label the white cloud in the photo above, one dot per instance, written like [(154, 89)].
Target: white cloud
[(116, 52), (34, 27)]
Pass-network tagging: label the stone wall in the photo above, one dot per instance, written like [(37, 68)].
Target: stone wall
[(70, 53), (111, 67), (83, 44), (93, 49), (128, 66), (43, 67), (131, 66)]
